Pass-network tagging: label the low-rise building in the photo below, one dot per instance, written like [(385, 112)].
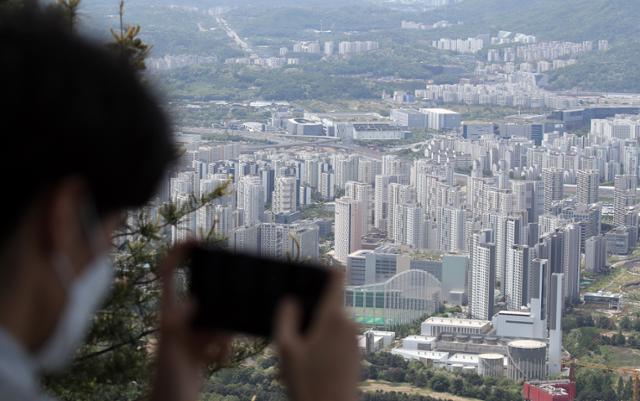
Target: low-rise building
[(442, 119), (412, 119), (519, 324), (432, 358), (378, 132), (618, 240), (415, 342), (604, 298), (554, 390), (301, 126), (435, 326)]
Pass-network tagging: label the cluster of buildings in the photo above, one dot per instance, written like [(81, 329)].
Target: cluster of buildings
[(507, 37), (509, 237), (418, 25), (519, 344), (345, 47), (348, 126), (366, 126), (518, 89), (330, 48), (268, 62), (496, 217), (469, 45), (259, 211), (169, 62), (533, 52)]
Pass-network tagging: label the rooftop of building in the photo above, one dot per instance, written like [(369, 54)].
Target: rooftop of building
[(388, 249), (491, 356), (439, 110), (409, 111), (382, 333), (382, 126), (304, 121), (604, 294), (525, 117), (360, 253), (421, 353), (477, 122), (473, 358), (551, 389), (416, 337), (514, 313), (347, 116), (528, 344), (449, 321)]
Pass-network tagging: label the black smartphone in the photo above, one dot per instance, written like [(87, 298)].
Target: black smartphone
[(240, 293)]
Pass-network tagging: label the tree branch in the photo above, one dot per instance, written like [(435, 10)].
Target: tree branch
[(117, 346)]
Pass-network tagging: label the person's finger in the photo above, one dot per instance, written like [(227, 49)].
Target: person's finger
[(208, 348), (331, 303), (166, 272), (287, 327)]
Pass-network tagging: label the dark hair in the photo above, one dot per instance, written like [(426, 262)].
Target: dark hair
[(69, 107)]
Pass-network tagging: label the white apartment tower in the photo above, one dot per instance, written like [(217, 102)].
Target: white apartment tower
[(348, 228), (381, 200), (251, 200), (556, 307), (571, 263), (186, 227), (284, 195), (508, 233), (517, 276), (587, 183), (346, 169), (362, 193), (415, 227), (274, 240), (483, 277), (624, 195), (398, 195), (553, 181)]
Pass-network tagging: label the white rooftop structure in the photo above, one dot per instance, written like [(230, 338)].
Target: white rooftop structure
[(417, 343), (435, 326), (463, 359), (438, 110), (434, 357)]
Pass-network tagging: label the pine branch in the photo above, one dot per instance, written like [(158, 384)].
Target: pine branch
[(114, 347)]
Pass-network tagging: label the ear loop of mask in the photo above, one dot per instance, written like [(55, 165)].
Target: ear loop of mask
[(92, 227), (90, 224), (64, 269)]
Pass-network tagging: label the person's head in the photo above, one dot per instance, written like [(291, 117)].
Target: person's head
[(84, 140)]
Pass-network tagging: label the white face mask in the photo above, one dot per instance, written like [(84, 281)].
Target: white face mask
[(84, 296)]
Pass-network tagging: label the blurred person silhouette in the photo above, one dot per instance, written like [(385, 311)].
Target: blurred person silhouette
[(85, 140)]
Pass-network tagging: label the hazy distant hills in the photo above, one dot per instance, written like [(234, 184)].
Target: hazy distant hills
[(225, 3), (574, 20), (552, 19), (275, 21)]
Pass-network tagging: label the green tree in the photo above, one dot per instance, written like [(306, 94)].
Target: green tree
[(457, 386), (594, 385), (439, 382), (620, 388), (625, 323)]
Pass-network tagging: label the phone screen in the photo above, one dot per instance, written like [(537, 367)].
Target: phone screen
[(240, 293)]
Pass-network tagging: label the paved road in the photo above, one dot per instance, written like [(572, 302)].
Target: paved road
[(232, 34)]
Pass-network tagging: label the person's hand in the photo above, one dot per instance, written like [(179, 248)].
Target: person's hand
[(182, 353), (323, 364)]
